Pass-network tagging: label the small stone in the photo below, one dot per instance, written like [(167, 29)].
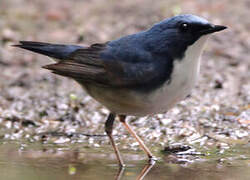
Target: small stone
[(61, 140), (8, 35), (241, 133), (55, 15)]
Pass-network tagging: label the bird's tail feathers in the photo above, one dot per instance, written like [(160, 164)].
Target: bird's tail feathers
[(57, 51)]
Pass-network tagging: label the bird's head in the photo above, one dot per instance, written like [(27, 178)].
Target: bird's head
[(177, 33)]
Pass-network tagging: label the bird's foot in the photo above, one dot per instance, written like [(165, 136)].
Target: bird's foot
[(152, 160), (121, 166)]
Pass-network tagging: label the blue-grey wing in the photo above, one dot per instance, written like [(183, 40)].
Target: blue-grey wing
[(105, 65)]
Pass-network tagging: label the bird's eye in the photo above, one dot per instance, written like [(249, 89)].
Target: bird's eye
[(184, 27)]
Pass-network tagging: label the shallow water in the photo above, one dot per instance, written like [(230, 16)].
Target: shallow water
[(45, 162)]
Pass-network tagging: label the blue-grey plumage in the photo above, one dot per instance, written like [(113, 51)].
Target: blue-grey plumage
[(139, 74), (134, 73)]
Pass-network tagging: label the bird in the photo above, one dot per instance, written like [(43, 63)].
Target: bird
[(140, 74)]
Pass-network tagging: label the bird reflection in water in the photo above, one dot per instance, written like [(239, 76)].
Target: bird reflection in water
[(142, 174)]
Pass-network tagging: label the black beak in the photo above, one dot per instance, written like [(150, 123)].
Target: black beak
[(212, 28)]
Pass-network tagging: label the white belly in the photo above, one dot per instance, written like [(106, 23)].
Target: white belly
[(183, 79)]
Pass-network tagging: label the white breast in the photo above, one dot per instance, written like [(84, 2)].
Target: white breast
[(183, 78)]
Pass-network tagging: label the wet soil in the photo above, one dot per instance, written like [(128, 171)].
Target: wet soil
[(37, 106)]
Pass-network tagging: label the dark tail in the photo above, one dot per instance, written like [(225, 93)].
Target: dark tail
[(58, 51)]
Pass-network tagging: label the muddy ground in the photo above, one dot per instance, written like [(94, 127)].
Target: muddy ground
[(36, 105)]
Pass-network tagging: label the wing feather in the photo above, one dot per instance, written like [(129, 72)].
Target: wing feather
[(88, 65)]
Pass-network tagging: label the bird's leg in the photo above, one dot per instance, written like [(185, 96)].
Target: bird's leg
[(138, 139), (109, 128)]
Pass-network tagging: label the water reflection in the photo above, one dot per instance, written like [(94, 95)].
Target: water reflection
[(145, 171), (93, 164), (120, 173), (142, 174)]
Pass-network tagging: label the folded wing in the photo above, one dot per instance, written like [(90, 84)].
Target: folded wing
[(93, 65), (104, 64)]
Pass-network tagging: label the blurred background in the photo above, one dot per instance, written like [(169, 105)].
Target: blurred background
[(48, 118)]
